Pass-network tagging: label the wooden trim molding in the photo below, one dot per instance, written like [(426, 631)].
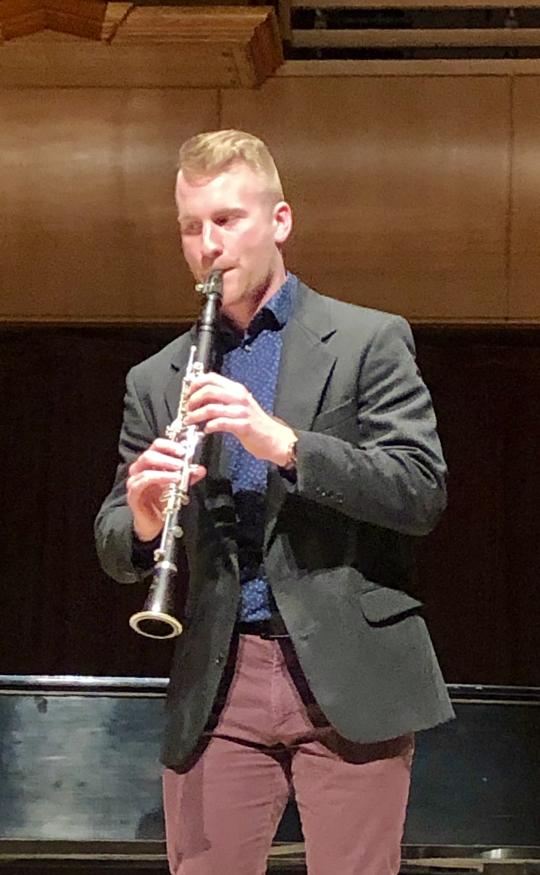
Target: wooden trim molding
[(512, 67), (417, 37), (412, 4), (93, 43)]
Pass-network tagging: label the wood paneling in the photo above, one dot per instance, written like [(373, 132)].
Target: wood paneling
[(90, 228), (49, 60), (525, 240), (123, 44), (400, 186), (417, 194)]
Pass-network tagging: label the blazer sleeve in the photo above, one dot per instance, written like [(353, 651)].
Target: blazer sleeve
[(394, 474), (119, 554)]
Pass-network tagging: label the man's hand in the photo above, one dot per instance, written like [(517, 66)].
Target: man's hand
[(222, 405), (150, 475)]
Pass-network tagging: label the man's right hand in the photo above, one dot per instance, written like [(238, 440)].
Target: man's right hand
[(150, 475)]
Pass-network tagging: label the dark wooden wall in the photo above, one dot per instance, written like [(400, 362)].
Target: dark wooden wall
[(62, 390)]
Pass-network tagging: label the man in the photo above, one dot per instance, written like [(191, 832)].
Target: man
[(304, 663)]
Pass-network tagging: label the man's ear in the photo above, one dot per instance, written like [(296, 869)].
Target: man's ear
[(282, 222)]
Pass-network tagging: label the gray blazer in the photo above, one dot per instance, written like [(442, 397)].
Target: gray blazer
[(337, 548)]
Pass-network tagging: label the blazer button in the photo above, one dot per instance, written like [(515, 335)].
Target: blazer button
[(220, 658)]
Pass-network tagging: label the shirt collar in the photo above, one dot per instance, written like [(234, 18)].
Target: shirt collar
[(273, 316), (280, 304)]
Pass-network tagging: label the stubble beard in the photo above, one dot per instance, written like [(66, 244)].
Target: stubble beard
[(246, 303)]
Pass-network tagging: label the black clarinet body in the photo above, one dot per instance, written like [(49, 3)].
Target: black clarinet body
[(157, 620)]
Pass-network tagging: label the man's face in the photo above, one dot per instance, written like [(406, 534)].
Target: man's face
[(231, 222)]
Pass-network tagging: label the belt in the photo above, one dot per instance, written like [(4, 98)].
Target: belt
[(272, 628)]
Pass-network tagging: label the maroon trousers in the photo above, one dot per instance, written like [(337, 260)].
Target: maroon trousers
[(267, 737)]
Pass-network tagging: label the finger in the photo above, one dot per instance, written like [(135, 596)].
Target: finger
[(211, 378), (149, 487), (169, 447), (196, 473), (152, 482), (216, 386), (229, 394), (146, 503), (213, 411), (153, 460), (157, 508), (238, 427)]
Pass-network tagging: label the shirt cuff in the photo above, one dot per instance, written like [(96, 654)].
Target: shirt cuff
[(289, 474), (142, 552)]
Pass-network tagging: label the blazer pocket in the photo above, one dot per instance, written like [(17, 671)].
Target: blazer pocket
[(384, 604), (328, 420)]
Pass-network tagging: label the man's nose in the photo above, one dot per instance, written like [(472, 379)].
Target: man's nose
[(211, 242)]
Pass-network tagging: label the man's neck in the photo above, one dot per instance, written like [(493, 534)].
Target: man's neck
[(242, 314)]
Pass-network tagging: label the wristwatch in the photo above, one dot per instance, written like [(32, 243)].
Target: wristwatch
[(290, 464)]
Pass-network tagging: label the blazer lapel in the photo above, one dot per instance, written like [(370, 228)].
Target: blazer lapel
[(306, 364), (305, 368), (179, 364)]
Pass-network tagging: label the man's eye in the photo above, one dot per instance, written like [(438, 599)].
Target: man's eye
[(187, 230), (224, 221)]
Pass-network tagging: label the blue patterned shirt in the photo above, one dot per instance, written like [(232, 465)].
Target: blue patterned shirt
[(252, 357)]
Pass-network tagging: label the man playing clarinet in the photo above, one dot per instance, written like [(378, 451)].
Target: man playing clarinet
[(305, 665)]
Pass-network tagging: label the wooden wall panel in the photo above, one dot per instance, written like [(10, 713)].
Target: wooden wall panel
[(525, 240), (400, 186), (90, 226)]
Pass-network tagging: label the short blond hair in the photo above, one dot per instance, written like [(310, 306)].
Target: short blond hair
[(211, 153)]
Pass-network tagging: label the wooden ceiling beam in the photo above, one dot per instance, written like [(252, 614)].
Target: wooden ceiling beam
[(194, 46), (20, 17), (78, 17)]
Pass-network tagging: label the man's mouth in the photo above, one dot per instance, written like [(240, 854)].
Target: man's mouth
[(205, 273)]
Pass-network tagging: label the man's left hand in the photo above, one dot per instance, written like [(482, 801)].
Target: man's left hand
[(223, 405)]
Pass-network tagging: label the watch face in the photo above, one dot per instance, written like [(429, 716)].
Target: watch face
[(291, 461)]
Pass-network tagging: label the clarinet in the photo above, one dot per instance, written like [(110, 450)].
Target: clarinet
[(157, 620)]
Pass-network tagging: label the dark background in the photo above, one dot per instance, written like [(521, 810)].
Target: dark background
[(62, 390)]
